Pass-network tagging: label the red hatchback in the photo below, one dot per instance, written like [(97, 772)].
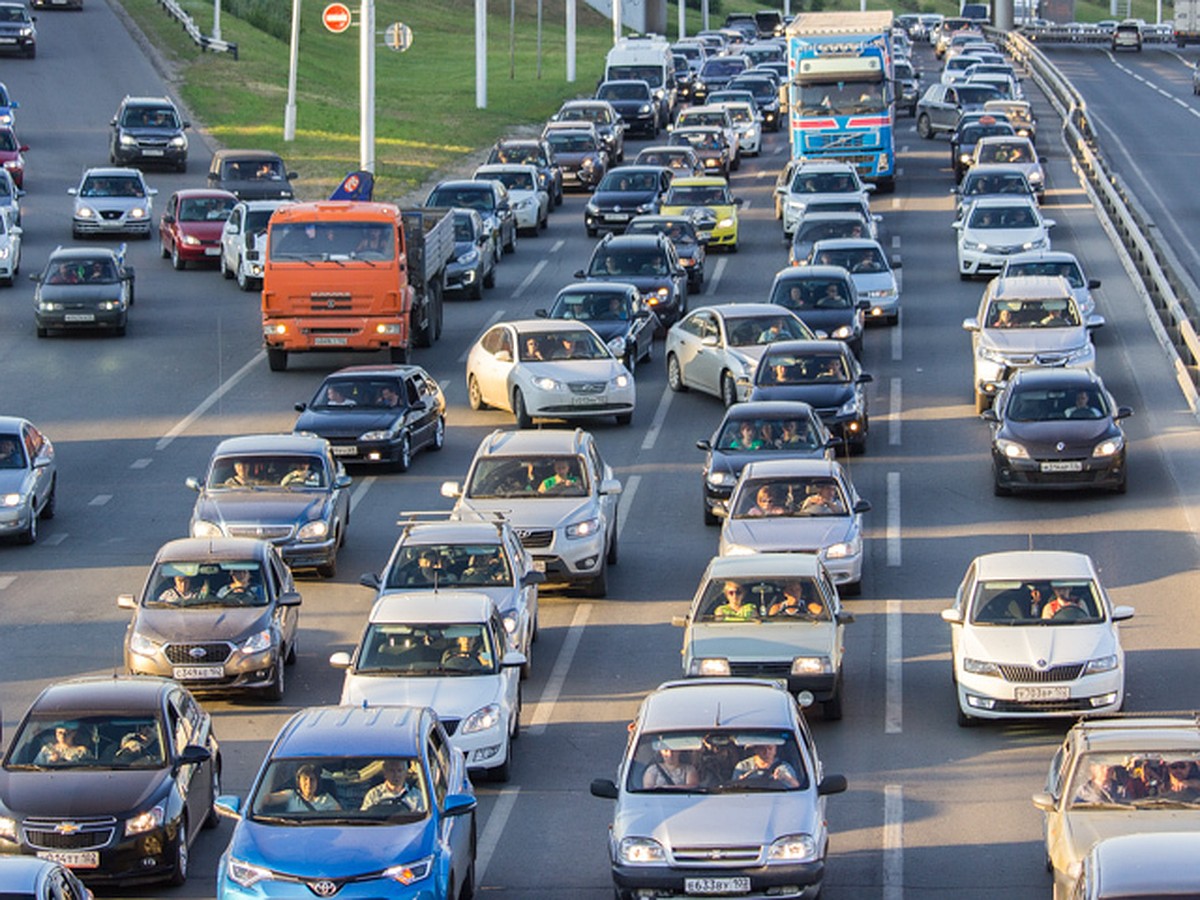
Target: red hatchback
[(191, 225), (10, 155)]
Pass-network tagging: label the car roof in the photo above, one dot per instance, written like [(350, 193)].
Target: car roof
[(598, 287), (811, 346), (272, 443), (523, 168), (1029, 287), (525, 325), (111, 172), (1034, 564), (148, 101), (449, 531), (351, 731), (504, 443), (192, 193), (766, 565), (1161, 864), (633, 240), (11, 423), (847, 244), (459, 184), (377, 370), (767, 468), (1005, 139), (210, 549), (1043, 256), (59, 254), (716, 703), (640, 169), (810, 273), (754, 409), (741, 310), (111, 692), (24, 873), (1143, 732), (999, 201), (432, 607)]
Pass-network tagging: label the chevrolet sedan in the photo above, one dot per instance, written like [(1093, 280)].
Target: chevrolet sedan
[(191, 225), (28, 479)]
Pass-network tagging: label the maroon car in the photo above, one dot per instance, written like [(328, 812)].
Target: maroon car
[(191, 225), (10, 155)]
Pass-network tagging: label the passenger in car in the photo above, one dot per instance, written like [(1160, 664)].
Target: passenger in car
[(770, 500), (735, 608), (670, 769), (303, 797), (184, 588), (746, 439), (63, 748), (823, 500)]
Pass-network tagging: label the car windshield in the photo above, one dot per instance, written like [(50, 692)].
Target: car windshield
[(628, 262), (841, 98), (257, 219), (206, 209), (538, 476), (701, 140), (698, 195), (272, 472), (253, 170), (420, 649), (8, 140), (560, 346), (1005, 152), (856, 260), (514, 181), (597, 114), (1032, 314), (12, 452), (517, 154), (997, 217), (9, 13), (81, 271), (802, 368), (811, 232), (762, 599), (814, 293), (227, 583), (87, 740), (571, 143), (364, 790), (691, 118), (1157, 779), (1040, 602), (748, 331), (1066, 268), (588, 306), (717, 761), (440, 565), (332, 240), (767, 434), (721, 68), (836, 206), (972, 133), (774, 497), (652, 75), (976, 94), (824, 183), (112, 186), (1053, 405), (981, 183), (149, 117), (369, 393), (624, 180), (674, 160)]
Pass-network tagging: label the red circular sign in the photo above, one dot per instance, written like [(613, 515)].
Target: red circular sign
[(336, 17)]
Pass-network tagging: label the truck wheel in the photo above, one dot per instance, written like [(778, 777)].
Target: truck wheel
[(277, 359), (422, 335), (399, 355)]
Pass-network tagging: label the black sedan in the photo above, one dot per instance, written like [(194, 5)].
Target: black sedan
[(113, 777), (824, 374), (685, 235), (87, 287), (623, 193), (967, 135), (615, 311), (775, 429), (825, 299), (650, 263), (376, 414), (1057, 429)]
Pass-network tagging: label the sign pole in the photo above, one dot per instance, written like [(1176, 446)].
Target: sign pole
[(289, 111), (481, 54), (366, 60), (571, 41)]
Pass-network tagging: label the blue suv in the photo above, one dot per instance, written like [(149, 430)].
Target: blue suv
[(392, 818)]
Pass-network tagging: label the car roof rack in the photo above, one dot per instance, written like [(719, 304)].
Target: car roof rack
[(409, 518)]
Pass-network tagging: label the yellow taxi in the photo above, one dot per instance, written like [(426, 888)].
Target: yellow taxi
[(711, 205)]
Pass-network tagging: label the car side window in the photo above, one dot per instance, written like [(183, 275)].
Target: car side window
[(493, 341), (276, 579), (178, 723), (33, 443), (411, 393), (1059, 767), (597, 464), (439, 767)]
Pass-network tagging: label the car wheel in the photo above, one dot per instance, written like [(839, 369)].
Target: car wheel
[(181, 166), (614, 552), (674, 374), (503, 772), (468, 888), (179, 873), (524, 420), (474, 394), (51, 502), (630, 359), (162, 248), (243, 282), (728, 390), (42, 332), (710, 517), (30, 534), (404, 454), (274, 691), (511, 246), (598, 586), (489, 280), (212, 820), (924, 126), (831, 709), (178, 263), (965, 721), (648, 356), (476, 291), (329, 569), (439, 434), (527, 669)]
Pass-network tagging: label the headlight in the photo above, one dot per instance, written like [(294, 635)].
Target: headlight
[(1034, 245), (712, 666), (313, 531), (383, 434), (1081, 352), (727, 222), (469, 258), (545, 383), (969, 244), (644, 109), (143, 822), (720, 478), (257, 643), (8, 829), (588, 162), (202, 529), (178, 142), (811, 665), (138, 212), (849, 408), (964, 157), (407, 874), (49, 306), (481, 719), (796, 206), (793, 848), (244, 873), (111, 305), (586, 528), (1011, 449), (635, 851), (842, 550), (980, 667), (663, 292), (622, 380), (1103, 664), (645, 208), (994, 356), (1035, 177), (510, 624), (128, 140), (85, 212), (188, 239), (1111, 447), (842, 332), (142, 645), (591, 209)]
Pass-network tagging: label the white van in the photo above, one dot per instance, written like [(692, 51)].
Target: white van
[(646, 58)]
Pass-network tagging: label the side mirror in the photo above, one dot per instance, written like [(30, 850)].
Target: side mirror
[(1093, 283), (1095, 322), (194, 484), (513, 659), (971, 324), (228, 806), (957, 224), (710, 340), (737, 201), (451, 489), (832, 784), (542, 313), (168, 219), (458, 805), (862, 506), (1043, 801), (865, 378), (610, 486), (126, 601), (604, 788), (704, 444), (192, 755), (1122, 613), (292, 176), (342, 481), (843, 617), (898, 264), (952, 616), (581, 274), (340, 660), (1123, 412), (288, 598), (720, 509)]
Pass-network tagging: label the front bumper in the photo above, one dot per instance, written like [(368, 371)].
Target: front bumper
[(1059, 474), (487, 749), (296, 888), (566, 560), (205, 251), (240, 671), (988, 697), (607, 220), (118, 225), (146, 857), (586, 178), (124, 155), (803, 879), (70, 319), (981, 262), (15, 519)]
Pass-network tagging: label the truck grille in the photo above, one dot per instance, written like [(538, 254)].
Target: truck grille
[(81, 834), (324, 302)]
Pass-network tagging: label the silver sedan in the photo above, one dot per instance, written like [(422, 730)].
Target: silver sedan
[(28, 477)]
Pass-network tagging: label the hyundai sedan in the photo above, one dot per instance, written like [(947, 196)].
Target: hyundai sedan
[(995, 229), (112, 201)]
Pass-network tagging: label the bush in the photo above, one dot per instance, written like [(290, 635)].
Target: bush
[(714, 6), (271, 16)]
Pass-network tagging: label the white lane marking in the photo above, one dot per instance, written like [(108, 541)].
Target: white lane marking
[(778, 151), (895, 243), (528, 280), (630, 488), (492, 320), (894, 418), (895, 203), (893, 842), (893, 519), (186, 422), (558, 245), (55, 539), (140, 463), (490, 838), (904, 148), (899, 171), (1181, 102), (715, 279), (746, 203), (763, 173), (6, 581), (893, 706), (897, 342), (660, 415), (100, 500), (558, 675), (361, 491)]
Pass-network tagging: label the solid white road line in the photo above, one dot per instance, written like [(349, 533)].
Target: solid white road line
[(100, 500), (893, 702), (656, 423), (490, 837), (186, 422), (558, 675), (361, 491), (528, 280), (893, 842), (492, 320), (893, 519), (626, 501), (894, 414), (715, 278)]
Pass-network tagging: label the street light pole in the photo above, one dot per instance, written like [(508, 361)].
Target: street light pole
[(366, 62), (289, 111), (481, 54)]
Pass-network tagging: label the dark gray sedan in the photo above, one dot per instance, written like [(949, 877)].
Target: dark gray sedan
[(83, 287)]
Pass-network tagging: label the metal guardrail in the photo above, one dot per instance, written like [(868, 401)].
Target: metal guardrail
[(177, 12), (1066, 34), (1168, 288)]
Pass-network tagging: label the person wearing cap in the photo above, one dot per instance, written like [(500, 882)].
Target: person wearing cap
[(669, 770), (63, 748), (764, 762)]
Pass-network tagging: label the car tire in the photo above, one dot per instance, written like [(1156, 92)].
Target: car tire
[(614, 550), (631, 360), (675, 374), (648, 356), (162, 248), (178, 263), (476, 291), (964, 721), (591, 232), (489, 280), (212, 820), (520, 413), (924, 126), (438, 441), (243, 282), (181, 166), (598, 586), (404, 454), (277, 359), (624, 419), (329, 569), (179, 873), (42, 332), (474, 394), (511, 246), (30, 534), (527, 669), (274, 691), (119, 331), (47, 512), (728, 390), (503, 772), (226, 272), (290, 658)]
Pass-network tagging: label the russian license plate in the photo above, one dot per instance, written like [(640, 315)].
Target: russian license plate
[(80, 317), (1033, 694), (152, 153), (4, 40), (197, 673), (617, 217), (345, 450), (539, 565), (1069, 465), (81, 859), (716, 886), (594, 400), (212, 251), (329, 341)]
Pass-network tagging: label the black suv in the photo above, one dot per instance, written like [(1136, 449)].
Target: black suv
[(650, 263), (148, 130), (17, 31), (251, 174)]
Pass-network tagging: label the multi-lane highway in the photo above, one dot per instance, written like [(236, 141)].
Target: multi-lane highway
[(932, 811)]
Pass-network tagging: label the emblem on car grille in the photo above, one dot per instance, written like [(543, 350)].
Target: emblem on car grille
[(324, 888), (1041, 664), (198, 653), (522, 533), (1060, 446), (66, 828)]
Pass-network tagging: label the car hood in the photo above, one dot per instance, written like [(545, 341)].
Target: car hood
[(1004, 237), (96, 792), (691, 820), (330, 851), (631, 106), (819, 396), (622, 199), (1075, 434), (574, 158), (462, 248), (345, 421), (265, 507), (644, 283), (1033, 644), (202, 623), (12, 481), (121, 203), (773, 640), (573, 370), (787, 534), (1033, 340), (81, 293), (205, 231), (453, 697), (1084, 828), (541, 513)]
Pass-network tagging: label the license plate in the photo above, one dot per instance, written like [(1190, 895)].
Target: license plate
[(4, 40), (80, 317), (616, 218), (197, 673), (212, 251), (1031, 694), (329, 341), (152, 152), (1064, 466), (539, 565), (83, 859), (587, 401), (341, 450), (716, 886)]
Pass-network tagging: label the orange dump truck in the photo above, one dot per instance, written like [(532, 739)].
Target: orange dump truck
[(349, 275)]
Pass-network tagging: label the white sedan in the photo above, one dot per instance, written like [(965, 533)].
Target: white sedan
[(10, 250), (995, 229), (530, 201), (548, 368), (1034, 635)]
